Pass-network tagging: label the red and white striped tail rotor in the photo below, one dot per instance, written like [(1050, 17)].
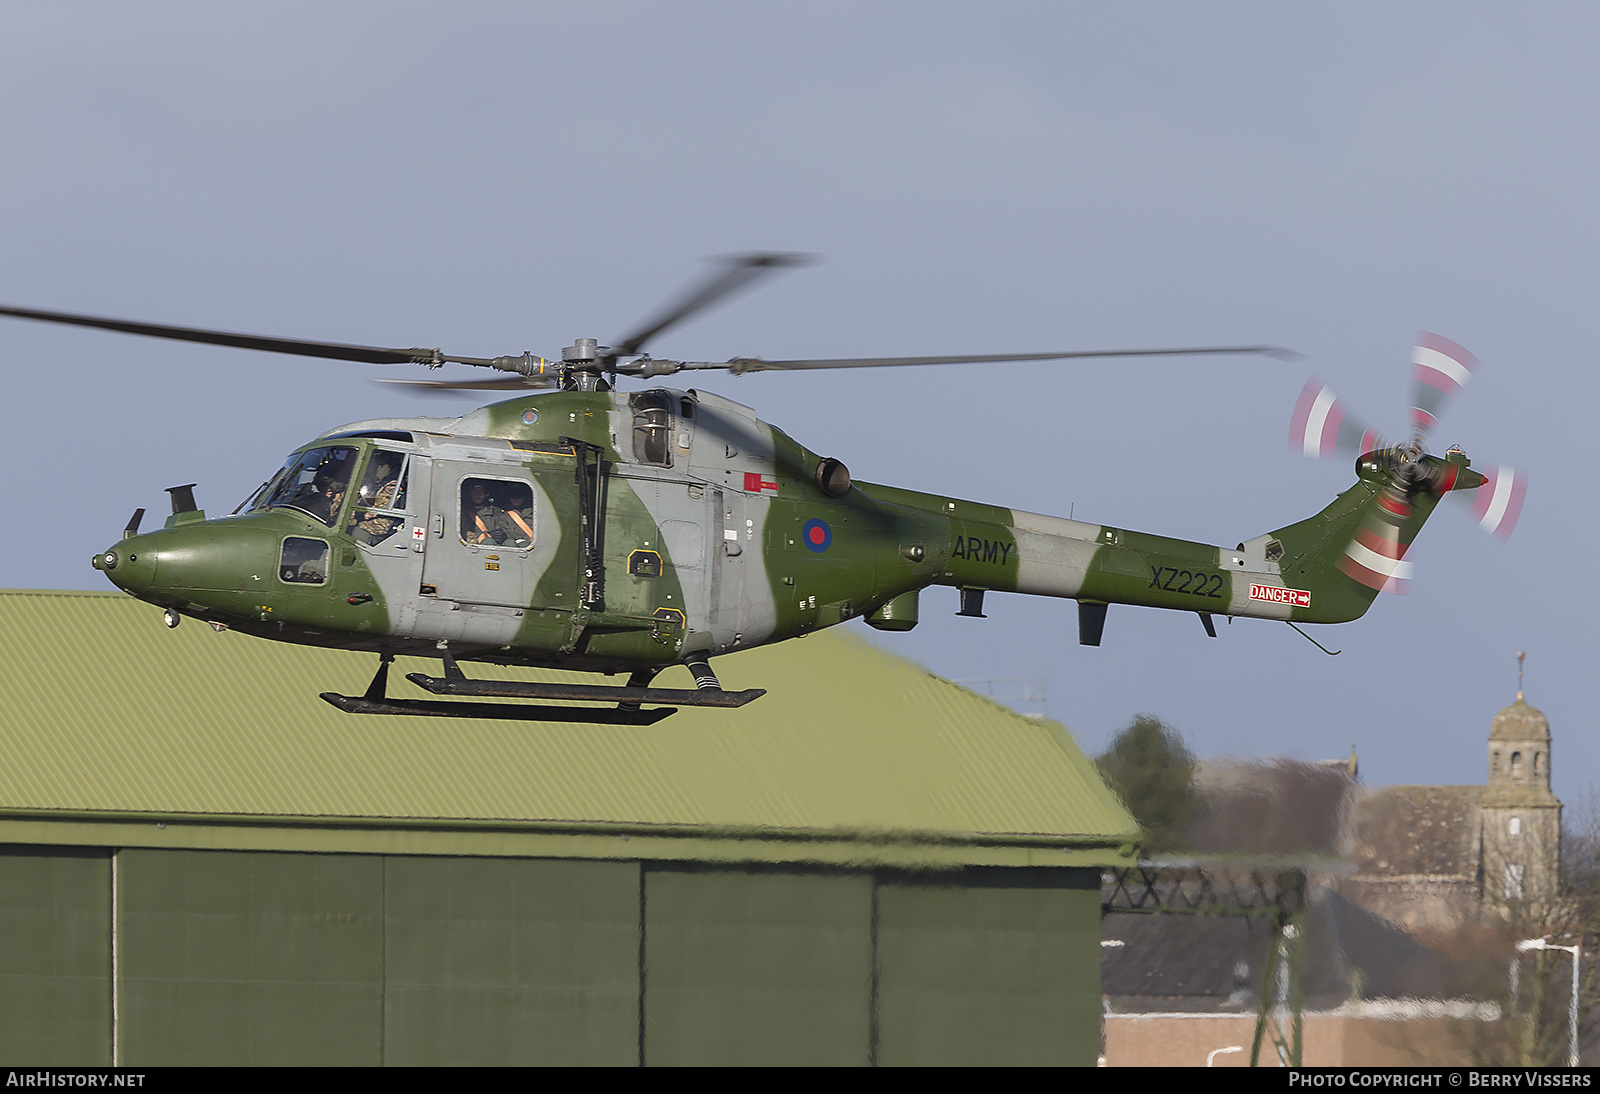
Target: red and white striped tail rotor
[(1497, 504), (1376, 557), (1439, 369), (1323, 427)]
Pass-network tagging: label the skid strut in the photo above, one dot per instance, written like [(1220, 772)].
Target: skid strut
[(704, 678)]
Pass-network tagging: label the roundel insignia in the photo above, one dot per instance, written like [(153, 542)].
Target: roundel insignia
[(530, 416), (817, 535)]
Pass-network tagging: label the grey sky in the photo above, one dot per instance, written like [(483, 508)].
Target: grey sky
[(494, 178)]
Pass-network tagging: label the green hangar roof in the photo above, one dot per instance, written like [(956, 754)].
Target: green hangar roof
[(117, 731)]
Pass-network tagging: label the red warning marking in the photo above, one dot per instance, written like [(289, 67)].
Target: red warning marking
[(1298, 598)]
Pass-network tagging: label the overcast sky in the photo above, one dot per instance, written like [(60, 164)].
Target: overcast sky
[(980, 178)]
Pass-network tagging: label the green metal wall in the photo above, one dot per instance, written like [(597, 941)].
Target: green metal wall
[(757, 967), (250, 958), (55, 956), (257, 957), (512, 961), (1002, 967)]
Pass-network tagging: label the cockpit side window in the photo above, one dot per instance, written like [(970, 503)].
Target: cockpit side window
[(314, 482), (382, 494), (652, 427)]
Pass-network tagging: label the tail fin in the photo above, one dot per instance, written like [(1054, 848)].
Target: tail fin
[(1356, 547)]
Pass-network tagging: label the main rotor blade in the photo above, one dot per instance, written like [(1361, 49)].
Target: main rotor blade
[(740, 271), (372, 355), (757, 364)]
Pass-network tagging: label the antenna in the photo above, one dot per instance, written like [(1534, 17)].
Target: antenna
[(1024, 694)]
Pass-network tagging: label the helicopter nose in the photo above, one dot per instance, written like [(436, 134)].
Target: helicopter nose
[(129, 563)]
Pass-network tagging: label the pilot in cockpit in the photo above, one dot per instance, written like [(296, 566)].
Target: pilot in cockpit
[(329, 496)]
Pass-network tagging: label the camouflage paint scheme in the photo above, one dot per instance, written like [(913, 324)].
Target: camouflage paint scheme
[(751, 549)]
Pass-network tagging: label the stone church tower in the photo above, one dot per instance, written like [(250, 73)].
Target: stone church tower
[(1520, 817), (1443, 856)]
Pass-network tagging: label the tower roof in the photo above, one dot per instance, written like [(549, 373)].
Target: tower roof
[(1520, 722)]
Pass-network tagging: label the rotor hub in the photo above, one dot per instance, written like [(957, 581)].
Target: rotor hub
[(581, 351), (1409, 463)]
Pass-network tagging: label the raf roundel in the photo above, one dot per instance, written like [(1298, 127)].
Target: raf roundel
[(530, 416), (817, 535)]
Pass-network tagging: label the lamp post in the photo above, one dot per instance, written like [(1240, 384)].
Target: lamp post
[(1529, 945), (1105, 1001)]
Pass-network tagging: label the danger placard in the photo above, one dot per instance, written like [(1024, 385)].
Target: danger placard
[(1272, 594)]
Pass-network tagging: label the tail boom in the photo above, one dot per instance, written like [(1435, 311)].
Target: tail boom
[(1325, 569)]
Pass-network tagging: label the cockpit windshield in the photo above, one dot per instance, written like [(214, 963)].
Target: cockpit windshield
[(314, 482)]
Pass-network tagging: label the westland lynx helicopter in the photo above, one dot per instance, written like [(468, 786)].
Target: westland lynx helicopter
[(585, 528)]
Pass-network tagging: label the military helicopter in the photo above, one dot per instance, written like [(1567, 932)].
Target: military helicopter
[(576, 526)]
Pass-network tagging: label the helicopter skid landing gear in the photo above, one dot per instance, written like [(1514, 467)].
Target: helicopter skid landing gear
[(638, 679), (708, 692), (704, 678), (520, 689), (427, 708), (375, 699), (455, 682)]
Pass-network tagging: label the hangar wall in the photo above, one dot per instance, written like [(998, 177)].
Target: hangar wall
[(161, 956)]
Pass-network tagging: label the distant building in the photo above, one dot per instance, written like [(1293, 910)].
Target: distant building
[(1437, 857), (1385, 865)]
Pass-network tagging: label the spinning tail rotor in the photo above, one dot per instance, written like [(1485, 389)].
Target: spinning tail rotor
[(1499, 502), (1323, 427), (1439, 370), (1376, 557), (1405, 479)]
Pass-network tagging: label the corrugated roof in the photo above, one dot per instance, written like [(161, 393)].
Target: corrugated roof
[(1406, 830), (112, 720), (1213, 963)]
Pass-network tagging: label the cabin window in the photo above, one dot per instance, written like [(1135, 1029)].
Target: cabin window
[(497, 513), (304, 561), (314, 482), (652, 427), (381, 498)]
